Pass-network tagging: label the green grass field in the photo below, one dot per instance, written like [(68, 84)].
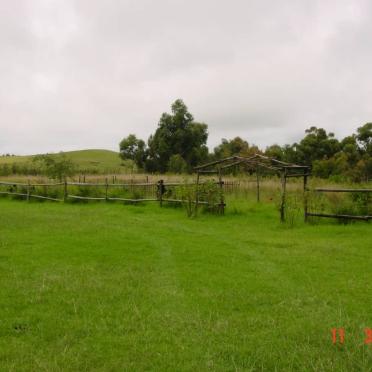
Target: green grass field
[(101, 161), (110, 287)]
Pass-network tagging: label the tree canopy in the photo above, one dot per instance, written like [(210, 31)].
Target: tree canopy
[(235, 146), (55, 166), (134, 149), (179, 144)]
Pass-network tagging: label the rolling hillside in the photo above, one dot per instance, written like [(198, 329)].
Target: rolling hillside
[(92, 160)]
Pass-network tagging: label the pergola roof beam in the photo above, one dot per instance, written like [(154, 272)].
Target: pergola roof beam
[(256, 160)]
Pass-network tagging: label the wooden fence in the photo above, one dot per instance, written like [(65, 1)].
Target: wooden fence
[(139, 191), (338, 216), (153, 191)]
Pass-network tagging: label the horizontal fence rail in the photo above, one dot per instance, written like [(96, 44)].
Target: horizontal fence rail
[(343, 190), (341, 216), (26, 190), (335, 215)]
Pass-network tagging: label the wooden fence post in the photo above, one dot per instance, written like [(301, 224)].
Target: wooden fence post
[(197, 194), (65, 191), (28, 190), (282, 204), (222, 200), (306, 195), (367, 201), (106, 189), (160, 191), (258, 184)]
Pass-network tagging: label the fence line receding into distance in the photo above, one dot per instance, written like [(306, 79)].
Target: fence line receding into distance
[(150, 188)]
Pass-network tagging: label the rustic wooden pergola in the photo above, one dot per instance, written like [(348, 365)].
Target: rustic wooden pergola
[(256, 163)]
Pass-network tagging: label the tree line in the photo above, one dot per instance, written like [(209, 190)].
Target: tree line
[(56, 166), (179, 144)]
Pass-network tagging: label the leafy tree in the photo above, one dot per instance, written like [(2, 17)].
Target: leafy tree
[(5, 170), (334, 166), (349, 146), (179, 144), (316, 145), (177, 134), (363, 170), (275, 151), (55, 166), (364, 137), (235, 146), (177, 164), (290, 154), (134, 149)]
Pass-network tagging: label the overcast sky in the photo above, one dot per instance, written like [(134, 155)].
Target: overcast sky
[(85, 73)]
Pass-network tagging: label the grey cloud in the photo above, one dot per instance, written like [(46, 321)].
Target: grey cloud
[(83, 74)]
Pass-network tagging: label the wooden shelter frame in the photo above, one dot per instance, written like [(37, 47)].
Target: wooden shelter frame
[(255, 163)]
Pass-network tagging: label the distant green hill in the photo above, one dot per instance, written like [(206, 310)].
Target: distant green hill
[(88, 161)]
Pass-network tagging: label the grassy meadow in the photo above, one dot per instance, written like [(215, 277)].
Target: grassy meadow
[(113, 287), (93, 161)]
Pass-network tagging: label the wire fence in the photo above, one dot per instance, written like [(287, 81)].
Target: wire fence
[(130, 192), (339, 203)]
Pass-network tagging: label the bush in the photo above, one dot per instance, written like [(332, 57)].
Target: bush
[(177, 164), (188, 194), (362, 201), (56, 167), (211, 193), (207, 192)]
